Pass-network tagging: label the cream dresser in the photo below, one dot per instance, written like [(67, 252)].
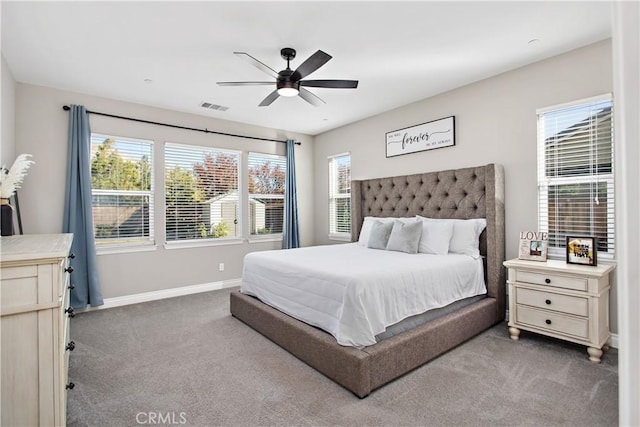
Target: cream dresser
[(561, 300), (34, 309)]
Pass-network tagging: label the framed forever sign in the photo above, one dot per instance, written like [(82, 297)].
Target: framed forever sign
[(426, 136)]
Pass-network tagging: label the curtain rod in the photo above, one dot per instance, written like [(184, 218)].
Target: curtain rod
[(205, 130)]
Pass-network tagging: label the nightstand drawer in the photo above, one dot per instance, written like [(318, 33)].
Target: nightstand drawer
[(553, 322), (550, 301), (565, 282)]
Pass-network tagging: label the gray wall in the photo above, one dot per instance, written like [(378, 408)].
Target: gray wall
[(495, 123), (41, 130), (7, 110)]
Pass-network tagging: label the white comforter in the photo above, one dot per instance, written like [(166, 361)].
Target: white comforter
[(355, 293)]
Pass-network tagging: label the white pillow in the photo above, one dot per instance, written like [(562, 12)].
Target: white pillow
[(466, 236), (365, 230), (436, 236), (405, 236), (465, 239)]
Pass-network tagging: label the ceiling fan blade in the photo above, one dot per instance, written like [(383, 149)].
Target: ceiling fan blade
[(334, 84), (312, 63), (269, 99), (310, 97), (259, 65), (243, 83)]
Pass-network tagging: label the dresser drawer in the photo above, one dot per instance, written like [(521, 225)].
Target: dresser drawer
[(65, 352), (63, 316), (65, 277), (551, 321), (66, 347), (565, 282), (18, 287), (550, 301)]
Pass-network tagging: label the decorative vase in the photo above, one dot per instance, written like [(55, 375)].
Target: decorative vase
[(6, 218)]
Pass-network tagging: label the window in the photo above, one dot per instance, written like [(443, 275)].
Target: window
[(201, 193), (121, 190), (340, 196), (575, 173), (267, 174)]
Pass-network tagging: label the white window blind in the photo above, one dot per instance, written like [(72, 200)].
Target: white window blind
[(267, 175), (201, 193), (340, 196), (121, 190), (576, 174)]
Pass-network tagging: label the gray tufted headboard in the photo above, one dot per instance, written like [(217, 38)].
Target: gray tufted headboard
[(476, 192)]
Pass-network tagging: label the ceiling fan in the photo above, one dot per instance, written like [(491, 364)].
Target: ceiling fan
[(289, 82)]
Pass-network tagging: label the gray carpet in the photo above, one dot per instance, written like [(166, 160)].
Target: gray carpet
[(187, 361)]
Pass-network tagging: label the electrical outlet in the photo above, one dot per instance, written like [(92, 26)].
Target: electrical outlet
[(221, 266)]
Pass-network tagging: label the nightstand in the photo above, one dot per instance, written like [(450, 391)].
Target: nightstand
[(565, 301)]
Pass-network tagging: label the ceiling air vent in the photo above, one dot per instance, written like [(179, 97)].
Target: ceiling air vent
[(211, 106)]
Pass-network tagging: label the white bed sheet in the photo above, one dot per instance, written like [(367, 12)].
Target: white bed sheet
[(355, 293)]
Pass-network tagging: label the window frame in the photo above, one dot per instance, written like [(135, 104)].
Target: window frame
[(544, 183), (270, 236), (333, 195), (109, 246), (210, 241)]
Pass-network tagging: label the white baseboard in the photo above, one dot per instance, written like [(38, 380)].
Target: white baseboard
[(613, 340), (165, 293)]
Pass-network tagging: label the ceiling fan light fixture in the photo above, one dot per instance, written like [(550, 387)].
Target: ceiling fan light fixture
[(287, 87), (287, 91)]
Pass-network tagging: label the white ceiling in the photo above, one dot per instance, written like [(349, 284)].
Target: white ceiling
[(400, 52)]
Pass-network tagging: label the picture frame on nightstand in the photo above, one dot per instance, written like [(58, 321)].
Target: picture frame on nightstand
[(533, 246), (582, 250)]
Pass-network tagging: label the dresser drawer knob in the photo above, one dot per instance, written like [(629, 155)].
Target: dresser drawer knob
[(548, 302), (71, 346), (70, 312), (72, 255), (548, 322), (70, 386), (69, 269), (72, 286), (547, 281)]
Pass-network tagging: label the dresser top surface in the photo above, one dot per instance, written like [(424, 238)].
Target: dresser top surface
[(34, 246), (560, 267)]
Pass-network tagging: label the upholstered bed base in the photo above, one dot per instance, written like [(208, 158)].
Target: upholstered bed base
[(364, 370), (476, 192)]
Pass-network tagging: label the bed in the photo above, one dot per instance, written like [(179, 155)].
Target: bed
[(468, 193)]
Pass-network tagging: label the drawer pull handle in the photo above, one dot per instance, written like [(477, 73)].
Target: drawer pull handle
[(72, 286), (70, 386), (72, 255), (548, 302), (69, 269), (71, 346), (547, 281), (548, 322), (70, 312)]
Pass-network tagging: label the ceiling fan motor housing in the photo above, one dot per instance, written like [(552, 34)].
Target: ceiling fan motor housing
[(288, 79)]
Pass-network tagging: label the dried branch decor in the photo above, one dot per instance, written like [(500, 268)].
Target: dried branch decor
[(11, 179)]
